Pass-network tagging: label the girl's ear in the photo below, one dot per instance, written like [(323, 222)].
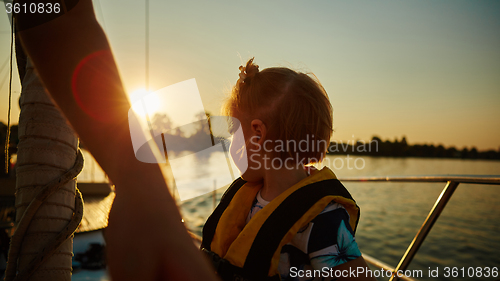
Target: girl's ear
[(259, 130)]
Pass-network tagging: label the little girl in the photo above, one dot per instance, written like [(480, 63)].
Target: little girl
[(282, 220)]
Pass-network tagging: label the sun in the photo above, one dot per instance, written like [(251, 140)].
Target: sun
[(144, 102)]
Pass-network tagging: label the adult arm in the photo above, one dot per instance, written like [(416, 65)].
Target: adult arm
[(145, 237)]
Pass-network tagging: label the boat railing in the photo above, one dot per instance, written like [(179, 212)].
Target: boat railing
[(452, 183)]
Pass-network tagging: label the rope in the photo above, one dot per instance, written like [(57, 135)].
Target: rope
[(29, 213)]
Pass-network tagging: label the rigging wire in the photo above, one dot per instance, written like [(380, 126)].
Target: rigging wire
[(146, 78), (7, 137), (147, 46), (102, 15), (1, 70), (4, 64), (4, 78), (146, 74)]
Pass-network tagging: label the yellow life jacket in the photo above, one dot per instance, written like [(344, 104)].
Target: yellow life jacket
[(251, 251)]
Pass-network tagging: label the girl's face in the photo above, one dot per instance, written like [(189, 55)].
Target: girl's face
[(245, 150), (237, 148)]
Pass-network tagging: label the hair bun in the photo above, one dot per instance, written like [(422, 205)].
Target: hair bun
[(247, 71), (251, 69)]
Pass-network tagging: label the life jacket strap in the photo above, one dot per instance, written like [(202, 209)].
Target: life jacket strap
[(272, 231), (212, 221)]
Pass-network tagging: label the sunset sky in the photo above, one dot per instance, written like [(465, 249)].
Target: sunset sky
[(427, 70)]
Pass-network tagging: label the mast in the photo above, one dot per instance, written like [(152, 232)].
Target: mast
[(47, 149)]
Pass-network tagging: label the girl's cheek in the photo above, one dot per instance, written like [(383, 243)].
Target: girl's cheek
[(238, 152)]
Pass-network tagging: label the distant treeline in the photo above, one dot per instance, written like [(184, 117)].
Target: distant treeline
[(197, 141), (377, 147)]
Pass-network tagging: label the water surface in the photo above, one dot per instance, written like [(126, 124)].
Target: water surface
[(467, 234)]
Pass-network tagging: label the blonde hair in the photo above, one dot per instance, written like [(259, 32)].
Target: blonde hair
[(293, 105)]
